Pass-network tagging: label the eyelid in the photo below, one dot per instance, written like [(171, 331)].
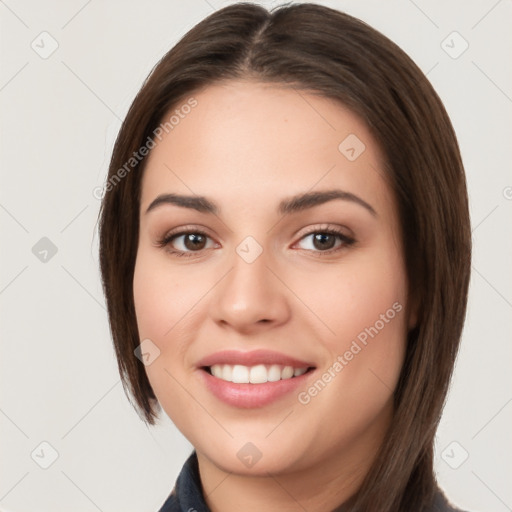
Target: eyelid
[(333, 229), (318, 228), (192, 228), (347, 240), (197, 228)]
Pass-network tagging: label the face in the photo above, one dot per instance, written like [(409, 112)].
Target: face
[(274, 294)]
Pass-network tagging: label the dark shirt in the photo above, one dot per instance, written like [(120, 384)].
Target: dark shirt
[(187, 495)]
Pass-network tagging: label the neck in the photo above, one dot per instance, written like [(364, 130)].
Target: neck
[(326, 485)]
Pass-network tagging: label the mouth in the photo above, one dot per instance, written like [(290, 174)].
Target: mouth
[(257, 374), (253, 379)]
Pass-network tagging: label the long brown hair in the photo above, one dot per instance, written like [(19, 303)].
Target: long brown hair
[(324, 51)]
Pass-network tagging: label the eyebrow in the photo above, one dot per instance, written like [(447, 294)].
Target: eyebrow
[(287, 206)]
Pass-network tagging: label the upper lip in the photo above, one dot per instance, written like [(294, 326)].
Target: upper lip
[(252, 358)]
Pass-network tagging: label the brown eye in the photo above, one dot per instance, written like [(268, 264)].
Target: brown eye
[(194, 241), (186, 243), (324, 241)]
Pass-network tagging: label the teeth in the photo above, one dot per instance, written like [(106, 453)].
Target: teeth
[(240, 374), (216, 370), (258, 374), (227, 372), (287, 372), (274, 373)]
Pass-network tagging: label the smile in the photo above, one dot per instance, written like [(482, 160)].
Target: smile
[(258, 374), (253, 379)]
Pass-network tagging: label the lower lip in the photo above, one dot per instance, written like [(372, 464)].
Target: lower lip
[(247, 396)]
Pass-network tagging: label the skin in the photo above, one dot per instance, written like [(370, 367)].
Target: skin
[(247, 146)]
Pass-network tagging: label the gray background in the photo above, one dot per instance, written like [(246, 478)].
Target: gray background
[(60, 115)]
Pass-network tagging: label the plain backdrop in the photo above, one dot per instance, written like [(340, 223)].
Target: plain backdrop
[(60, 113)]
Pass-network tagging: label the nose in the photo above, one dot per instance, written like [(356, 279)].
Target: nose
[(251, 297)]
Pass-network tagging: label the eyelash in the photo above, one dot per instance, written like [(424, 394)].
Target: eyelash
[(167, 239)]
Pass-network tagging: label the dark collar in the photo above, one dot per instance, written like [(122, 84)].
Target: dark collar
[(187, 494)]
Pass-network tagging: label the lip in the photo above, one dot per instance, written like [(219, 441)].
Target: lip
[(248, 396), (252, 358)]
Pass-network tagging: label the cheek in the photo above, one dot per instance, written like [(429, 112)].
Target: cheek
[(167, 305), (362, 293), (161, 296), (161, 307), (358, 306), (362, 306)]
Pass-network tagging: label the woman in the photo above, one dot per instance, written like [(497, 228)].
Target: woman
[(285, 253)]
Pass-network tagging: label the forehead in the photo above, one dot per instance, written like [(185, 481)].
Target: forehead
[(245, 139)]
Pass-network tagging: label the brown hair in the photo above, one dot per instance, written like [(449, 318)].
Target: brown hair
[(315, 48)]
